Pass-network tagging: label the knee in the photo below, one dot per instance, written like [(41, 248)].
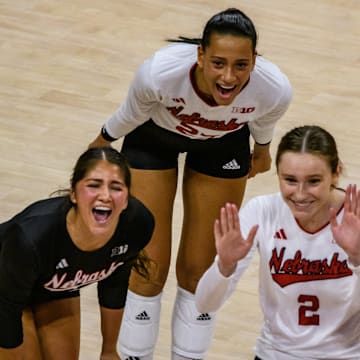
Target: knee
[(189, 276), (152, 286), (192, 332)]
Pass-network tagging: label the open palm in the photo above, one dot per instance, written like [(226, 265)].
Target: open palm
[(230, 244), (347, 232)]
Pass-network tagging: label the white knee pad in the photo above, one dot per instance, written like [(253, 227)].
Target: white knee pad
[(192, 332), (140, 326)]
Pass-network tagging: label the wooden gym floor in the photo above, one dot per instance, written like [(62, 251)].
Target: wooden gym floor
[(65, 66)]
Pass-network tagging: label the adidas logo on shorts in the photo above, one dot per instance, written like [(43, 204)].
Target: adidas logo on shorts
[(231, 165), (142, 316)]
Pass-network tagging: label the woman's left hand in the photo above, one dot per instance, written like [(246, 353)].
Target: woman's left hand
[(260, 160), (347, 232)]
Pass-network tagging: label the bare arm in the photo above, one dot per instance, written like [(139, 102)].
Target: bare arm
[(261, 159), (110, 326)]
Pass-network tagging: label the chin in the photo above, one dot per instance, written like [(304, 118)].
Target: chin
[(225, 102)]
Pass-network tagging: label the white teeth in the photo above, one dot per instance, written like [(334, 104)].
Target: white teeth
[(302, 204), (102, 208), (227, 87)]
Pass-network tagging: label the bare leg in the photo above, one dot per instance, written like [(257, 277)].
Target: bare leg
[(156, 189), (140, 325), (31, 345), (58, 328), (203, 197)]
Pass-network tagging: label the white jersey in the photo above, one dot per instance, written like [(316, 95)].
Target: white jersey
[(309, 291), (163, 90)]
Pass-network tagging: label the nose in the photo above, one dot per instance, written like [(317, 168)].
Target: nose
[(104, 193), (300, 191), (228, 74)]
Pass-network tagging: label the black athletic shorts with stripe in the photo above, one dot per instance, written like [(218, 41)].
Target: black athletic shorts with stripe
[(151, 147)]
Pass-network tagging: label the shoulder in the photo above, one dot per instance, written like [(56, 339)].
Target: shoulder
[(137, 223), (176, 52), (269, 75), (36, 219), (171, 61), (42, 207), (267, 69), (138, 214)]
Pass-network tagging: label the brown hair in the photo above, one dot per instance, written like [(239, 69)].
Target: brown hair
[(310, 139)]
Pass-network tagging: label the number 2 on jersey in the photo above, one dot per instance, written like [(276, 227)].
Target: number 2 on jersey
[(307, 315)]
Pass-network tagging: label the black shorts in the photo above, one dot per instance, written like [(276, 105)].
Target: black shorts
[(151, 147)]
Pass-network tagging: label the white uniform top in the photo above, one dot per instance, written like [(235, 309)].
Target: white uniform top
[(309, 292), (162, 90)]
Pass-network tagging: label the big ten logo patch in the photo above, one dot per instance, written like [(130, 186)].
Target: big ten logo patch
[(118, 250)]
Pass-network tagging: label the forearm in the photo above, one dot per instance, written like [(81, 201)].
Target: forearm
[(261, 159), (110, 326), (213, 289), (262, 151)]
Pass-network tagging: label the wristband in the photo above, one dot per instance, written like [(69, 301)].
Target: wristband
[(263, 144), (106, 135)]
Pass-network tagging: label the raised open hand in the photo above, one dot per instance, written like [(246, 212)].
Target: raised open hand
[(230, 244), (347, 232)]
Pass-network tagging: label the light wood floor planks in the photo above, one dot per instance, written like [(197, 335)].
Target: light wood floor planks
[(65, 67)]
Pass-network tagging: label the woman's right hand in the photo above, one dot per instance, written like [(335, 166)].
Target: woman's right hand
[(99, 142), (230, 244)]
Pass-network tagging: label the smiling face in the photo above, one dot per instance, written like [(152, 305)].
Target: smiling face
[(100, 196), (307, 186), (224, 67)]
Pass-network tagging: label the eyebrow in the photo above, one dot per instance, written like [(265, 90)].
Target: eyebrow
[(101, 180), (308, 176), (223, 58)]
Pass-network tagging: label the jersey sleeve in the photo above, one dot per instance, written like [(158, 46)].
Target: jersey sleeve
[(138, 105), (18, 272), (112, 291), (262, 129)]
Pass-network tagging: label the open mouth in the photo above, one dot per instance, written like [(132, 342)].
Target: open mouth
[(225, 90), (101, 214)]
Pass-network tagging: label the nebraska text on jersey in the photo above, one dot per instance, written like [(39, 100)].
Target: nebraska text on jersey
[(80, 279), (298, 269)]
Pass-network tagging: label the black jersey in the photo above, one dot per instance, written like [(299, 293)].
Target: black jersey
[(39, 261)]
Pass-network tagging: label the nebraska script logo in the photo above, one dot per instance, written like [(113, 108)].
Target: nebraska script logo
[(290, 271), (80, 279), (188, 121)]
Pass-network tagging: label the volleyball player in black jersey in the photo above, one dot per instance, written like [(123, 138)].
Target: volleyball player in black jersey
[(94, 233)]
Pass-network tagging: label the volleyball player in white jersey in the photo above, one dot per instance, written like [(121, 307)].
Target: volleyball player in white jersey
[(308, 238), (204, 98)]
